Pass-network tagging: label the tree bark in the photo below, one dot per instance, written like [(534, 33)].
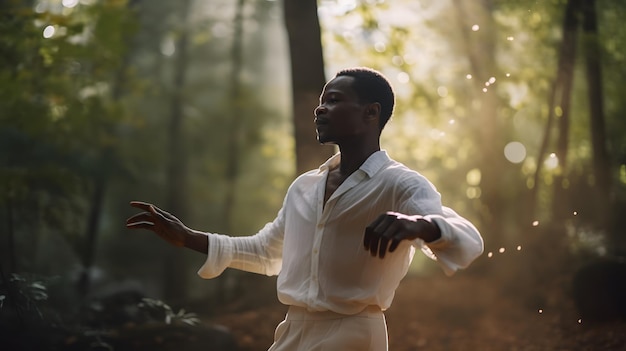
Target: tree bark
[(561, 204), (601, 162), (307, 80), (175, 281), (565, 66)]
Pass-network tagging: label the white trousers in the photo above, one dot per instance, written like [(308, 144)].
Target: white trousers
[(329, 331)]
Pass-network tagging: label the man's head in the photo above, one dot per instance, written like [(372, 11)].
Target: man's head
[(372, 87)]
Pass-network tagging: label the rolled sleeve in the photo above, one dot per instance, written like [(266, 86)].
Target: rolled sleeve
[(460, 242), (260, 253), (219, 256)]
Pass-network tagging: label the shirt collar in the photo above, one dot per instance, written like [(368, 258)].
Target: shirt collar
[(373, 163)]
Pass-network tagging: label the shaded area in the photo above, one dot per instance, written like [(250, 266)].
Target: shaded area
[(466, 312)]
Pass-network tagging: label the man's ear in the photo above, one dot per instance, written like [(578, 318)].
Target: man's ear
[(373, 111)]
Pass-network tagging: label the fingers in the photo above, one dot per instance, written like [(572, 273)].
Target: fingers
[(140, 225), (141, 205), (385, 234), (144, 220), (379, 233), (388, 235), (370, 234)]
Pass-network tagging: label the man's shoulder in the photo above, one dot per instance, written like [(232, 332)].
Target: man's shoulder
[(400, 173)]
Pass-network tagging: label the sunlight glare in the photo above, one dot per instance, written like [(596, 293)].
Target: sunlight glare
[(403, 77), (473, 192), (397, 60), (519, 247), (469, 76), (337, 7), (451, 122), (552, 161), (48, 32), (70, 3), (492, 80), (442, 91), (484, 90), (473, 177), (380, 46), (508, 74), (535, 223), (515, 152), (475, 28), (575, 213), (490, 254), (501, 250), (41, 7), (509, 38), (540, 311), (348, 35), (168, 48), (409, 59)]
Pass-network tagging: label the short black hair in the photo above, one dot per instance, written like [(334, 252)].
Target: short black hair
[(371, 86)]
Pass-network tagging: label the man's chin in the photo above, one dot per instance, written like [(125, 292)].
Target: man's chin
[(325, 141)]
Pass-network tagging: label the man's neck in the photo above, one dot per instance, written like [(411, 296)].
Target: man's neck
[(353, 157)]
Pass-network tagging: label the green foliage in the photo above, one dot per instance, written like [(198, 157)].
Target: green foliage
[(161, 311), (60, 77), (24, 294)]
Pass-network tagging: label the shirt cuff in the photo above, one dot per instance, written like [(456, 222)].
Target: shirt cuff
[(219, 256), (446, 236)]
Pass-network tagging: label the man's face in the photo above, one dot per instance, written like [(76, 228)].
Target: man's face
[(340, 117)]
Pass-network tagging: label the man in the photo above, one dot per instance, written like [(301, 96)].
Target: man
[(346, 233)]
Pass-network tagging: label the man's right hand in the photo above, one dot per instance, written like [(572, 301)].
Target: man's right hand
[(164, 224)]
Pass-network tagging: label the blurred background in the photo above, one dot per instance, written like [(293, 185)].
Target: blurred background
[(513, 109)]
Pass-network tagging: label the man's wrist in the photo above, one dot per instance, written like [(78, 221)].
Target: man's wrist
[(196, 241), (433, 233)]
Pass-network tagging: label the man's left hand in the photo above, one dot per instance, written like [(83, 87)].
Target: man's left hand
[(389, 229)]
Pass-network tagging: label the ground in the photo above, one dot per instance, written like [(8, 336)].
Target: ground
[(463, 312)]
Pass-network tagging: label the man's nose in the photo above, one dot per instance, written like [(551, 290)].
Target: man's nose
[(319, 110)]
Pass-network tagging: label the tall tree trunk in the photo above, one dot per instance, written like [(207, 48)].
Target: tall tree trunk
[(565, 66), (235, 139), (100, 178), (307, 79), (175, 281), (601, 162), (561, 205), (235, 126), (93, 223)]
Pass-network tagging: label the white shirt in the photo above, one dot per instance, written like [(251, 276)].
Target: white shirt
[(317, 249)]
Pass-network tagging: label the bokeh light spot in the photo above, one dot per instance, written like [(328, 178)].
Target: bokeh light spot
[(48, 32), (70, 3), (515, 152), (552, 161), (473, 177)]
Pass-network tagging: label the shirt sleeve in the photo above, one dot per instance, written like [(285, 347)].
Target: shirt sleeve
[(260, 253), (459, 245), (460, 242)]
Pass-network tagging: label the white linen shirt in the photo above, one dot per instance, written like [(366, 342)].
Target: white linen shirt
[(317, 249)]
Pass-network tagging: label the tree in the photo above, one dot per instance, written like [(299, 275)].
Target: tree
[(307, 79), (601, 160)]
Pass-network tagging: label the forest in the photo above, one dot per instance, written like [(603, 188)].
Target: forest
[(514, 109)]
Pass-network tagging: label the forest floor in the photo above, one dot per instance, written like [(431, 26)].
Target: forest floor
[(463, 312)]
